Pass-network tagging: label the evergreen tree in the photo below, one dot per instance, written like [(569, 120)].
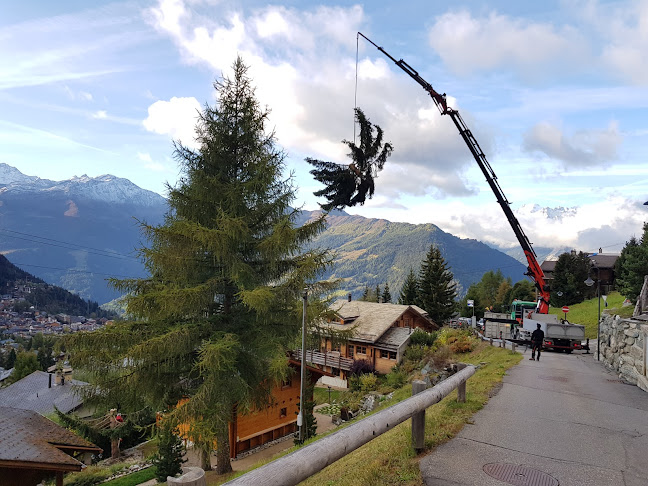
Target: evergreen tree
[(227, 269), (309, 407), (386, 295), (632, 266), (366, 294), (522, 290), (409, 290), (437, 289), (26, 363), (348, 185), (168, 458), (377, 293), (570, 273), (11, 359)]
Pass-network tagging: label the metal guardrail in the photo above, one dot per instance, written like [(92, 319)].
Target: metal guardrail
[(309, 460)]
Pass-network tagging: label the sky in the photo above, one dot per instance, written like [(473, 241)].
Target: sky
[(555, 92)]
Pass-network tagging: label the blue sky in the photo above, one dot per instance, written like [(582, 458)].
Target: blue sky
[(556, 93)]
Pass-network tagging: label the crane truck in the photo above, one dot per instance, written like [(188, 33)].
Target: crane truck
[(557, 335)]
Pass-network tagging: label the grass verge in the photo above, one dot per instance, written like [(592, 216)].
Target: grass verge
[(389, 459), (586, 313), (133, 479)]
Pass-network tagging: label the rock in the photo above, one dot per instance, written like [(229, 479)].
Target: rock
[(633, 333), (192, 476)]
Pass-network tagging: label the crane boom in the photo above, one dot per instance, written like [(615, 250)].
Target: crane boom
[(533, 270)]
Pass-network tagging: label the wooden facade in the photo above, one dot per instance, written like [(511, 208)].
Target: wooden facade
[(277, 420)]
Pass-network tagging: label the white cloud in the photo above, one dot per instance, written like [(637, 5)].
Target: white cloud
[(584, 148), (176, 118), (145, 157), (468, 44), (100, 115)]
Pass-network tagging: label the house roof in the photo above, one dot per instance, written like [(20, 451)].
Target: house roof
[(394, 338), (28, 439), (33, 393), (602, 260), (370, 320)]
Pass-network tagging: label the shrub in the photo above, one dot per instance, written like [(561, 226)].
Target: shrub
[(168, 459), (442, 357), (461, 344), (397, 378), (90, 476), (368, 382), (415, 353), (422, 338), (361, 366)]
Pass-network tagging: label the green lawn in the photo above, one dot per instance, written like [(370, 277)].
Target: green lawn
[(133, 479), (586, 313), (321, 395)]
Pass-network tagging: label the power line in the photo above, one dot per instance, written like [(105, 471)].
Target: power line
[(47, 241), (71, 270)]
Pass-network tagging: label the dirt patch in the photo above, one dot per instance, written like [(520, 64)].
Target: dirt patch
[(495, 390)]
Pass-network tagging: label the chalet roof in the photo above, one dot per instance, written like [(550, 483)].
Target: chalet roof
[(33, 393), (370, 319), (394, 338), (602, 260), (28, 439)]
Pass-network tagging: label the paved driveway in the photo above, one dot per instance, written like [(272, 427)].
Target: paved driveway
[(563, 420)]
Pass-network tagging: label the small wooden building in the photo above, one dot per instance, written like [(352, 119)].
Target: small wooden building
[(33, 448)]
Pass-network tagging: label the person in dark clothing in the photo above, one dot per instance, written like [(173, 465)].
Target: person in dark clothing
[(537, 338)]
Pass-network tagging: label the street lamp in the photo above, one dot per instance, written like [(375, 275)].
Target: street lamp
[(589, 282)]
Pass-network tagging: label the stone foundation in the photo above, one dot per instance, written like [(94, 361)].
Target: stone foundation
[(624, 348)]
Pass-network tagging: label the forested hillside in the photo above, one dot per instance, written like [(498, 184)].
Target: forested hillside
[(376, 251)]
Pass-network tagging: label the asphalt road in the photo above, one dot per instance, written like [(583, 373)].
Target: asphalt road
[(563, 420)]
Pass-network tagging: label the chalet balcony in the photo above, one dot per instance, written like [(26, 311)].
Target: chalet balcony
[(330, 358)]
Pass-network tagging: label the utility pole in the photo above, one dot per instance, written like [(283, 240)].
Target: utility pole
[(301, 420)]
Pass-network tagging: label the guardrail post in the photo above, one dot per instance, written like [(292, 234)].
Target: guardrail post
[(513, 346), (418, 420), (461, 389), (491, 341)]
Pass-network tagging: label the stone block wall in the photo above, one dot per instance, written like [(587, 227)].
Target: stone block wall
[(623, 348)]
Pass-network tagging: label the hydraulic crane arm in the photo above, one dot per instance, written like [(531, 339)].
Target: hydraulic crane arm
[(533, 269)]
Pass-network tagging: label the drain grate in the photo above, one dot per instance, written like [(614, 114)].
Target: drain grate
[(519, 475)]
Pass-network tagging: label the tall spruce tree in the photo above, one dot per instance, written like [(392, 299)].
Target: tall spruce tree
[(437, 290), (409, 290), (569, 277), (227, 268), (386, 295)]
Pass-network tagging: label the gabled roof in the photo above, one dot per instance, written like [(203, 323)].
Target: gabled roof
[(370, 320), (28, 439), (394, 338), (33, 393)]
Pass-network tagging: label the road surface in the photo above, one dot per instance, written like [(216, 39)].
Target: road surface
[(563, 420)]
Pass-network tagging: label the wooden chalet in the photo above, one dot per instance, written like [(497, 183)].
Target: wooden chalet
[(380, 335), (279, 419), (33, 448), (605, 262)]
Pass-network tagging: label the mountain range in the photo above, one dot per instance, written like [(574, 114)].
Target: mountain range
[(79, 232)]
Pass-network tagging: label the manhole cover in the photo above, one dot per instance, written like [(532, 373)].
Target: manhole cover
[(519, 475), (554, 378)]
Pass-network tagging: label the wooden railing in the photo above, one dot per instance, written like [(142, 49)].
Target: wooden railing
[(331, 358), (309, 460)]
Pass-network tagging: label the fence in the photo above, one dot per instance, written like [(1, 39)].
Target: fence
[(307, 461)]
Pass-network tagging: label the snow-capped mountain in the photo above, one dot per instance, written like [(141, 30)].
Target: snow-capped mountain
[(105, 188)]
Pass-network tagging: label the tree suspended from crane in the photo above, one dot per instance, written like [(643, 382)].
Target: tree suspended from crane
[(349, 185)]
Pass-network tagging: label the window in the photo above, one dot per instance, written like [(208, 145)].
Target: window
[(350, 351), (361, 350), (336, 347), (392, 355), (286, 383), (384, 354), (283, 412)]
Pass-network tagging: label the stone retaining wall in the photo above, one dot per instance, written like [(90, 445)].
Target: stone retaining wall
[(624, 348)]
